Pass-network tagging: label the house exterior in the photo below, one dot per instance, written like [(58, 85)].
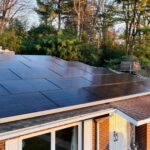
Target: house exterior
[(50, 104)]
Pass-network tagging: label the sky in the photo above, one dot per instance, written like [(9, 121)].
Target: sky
[(30, 16)]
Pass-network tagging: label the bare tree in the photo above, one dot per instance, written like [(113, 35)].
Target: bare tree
[(10, 9)]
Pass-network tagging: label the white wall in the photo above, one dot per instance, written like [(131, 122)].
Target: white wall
[(88, 134), (121, 127)]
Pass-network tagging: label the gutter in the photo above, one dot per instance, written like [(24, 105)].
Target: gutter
[(46, 126), (54, 124)]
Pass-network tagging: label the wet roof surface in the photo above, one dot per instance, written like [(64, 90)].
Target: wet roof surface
[(30, 84)]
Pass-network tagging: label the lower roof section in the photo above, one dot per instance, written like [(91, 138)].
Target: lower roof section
[(132, 110), (137, 109)]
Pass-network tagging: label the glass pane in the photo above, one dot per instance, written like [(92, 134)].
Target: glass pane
[(67, 139), (42, 142)]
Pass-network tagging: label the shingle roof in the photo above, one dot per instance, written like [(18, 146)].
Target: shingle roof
[(29, 84), (138, 108)]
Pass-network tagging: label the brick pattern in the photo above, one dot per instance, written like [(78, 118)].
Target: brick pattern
[(2, 145), (143, 137), (104, 135), (103, 129), (148, 136), (94, 136)]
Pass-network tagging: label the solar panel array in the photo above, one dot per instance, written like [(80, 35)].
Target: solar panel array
[(30, 84)]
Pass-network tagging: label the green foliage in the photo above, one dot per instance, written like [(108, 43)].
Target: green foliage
[(46, 11), (67, 47), (13, 36), (90, 54), (46, 40), (39, 40), (113, 63), (96, 44), (143, 53), (113, 51), (8, 40)]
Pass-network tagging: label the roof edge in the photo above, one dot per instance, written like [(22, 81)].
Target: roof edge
[(58, 110), (29, 130), (132, 120)]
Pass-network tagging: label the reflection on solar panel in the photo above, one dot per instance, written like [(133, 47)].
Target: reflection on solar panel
[(6, 74), (25, 86), (28, 73), (24, 103), (37, 83), (72, 82), (70, 97)]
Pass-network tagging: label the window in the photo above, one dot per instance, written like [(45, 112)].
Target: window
[(42, 142), (67, 139)]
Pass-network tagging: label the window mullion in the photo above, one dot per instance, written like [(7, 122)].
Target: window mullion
[(53, 140)]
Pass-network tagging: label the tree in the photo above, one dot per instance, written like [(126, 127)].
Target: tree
[(9, 9), (46, 11), (132, 13)]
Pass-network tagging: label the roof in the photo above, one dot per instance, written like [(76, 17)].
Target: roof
[(137, 108), (135, 111), (32, 86)]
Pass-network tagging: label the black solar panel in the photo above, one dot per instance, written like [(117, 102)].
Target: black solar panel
[(25, 86), (5, 57), (72, 82), (24, 103), (32, 73), (12, 64), (70, 97), (3, 91), (6, 74), (111, 78), (42, 64), (37, 83), (112, 91), (94, 70), (38, 58), (71, 72)]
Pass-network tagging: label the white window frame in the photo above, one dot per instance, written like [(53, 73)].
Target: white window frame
[(52, 132)]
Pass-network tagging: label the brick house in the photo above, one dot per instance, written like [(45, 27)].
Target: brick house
[(50, 104)]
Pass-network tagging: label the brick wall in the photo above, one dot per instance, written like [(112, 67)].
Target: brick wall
[(2, 145), (103, 129), (94, 136), (143, 137), (148, 136)]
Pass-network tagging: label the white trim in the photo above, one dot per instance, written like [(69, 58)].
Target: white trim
[(88, 134), (53, 139), (52, 132), (46, 126), (58, 110), (16, 143), (115, 71), (49, 130), (133, 121), (141, 122), (28, 130), (125, 116)]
